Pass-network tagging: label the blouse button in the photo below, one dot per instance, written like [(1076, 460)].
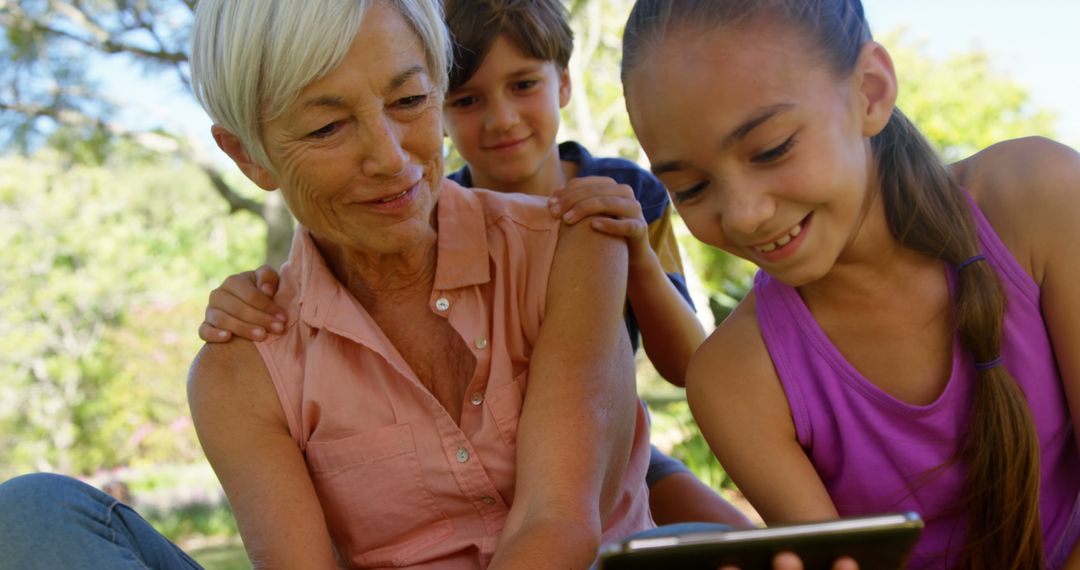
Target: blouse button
[(442, 304), (488, 500), (477, 399), (481, 343), (462, 455)]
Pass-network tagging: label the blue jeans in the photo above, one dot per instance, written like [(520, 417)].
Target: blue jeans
[(52, 521)]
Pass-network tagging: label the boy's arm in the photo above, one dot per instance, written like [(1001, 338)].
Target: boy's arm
[(244, 306), (670, 331), (579, 415)]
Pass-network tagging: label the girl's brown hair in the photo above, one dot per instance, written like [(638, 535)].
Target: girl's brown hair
[(926, 212)]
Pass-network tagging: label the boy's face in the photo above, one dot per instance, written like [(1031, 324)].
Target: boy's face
[(504, 119)]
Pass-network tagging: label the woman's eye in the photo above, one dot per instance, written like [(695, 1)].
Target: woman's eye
[(681, 196), (775, 153), (411, 101), (325, 131)]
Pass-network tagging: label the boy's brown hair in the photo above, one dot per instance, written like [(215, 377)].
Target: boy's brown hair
[(539, 28)]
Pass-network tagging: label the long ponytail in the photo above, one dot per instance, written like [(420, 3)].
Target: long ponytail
[(928, 213)]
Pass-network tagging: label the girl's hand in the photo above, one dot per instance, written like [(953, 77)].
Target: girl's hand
[(789, 561), (618, 210), (244, 305)]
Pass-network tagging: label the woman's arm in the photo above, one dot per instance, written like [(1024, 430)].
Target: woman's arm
[(737, 400), (670, 331), (243, 431), (578, 418)]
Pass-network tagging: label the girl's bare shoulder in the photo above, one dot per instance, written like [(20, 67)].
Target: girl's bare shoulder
[(1029, 190)]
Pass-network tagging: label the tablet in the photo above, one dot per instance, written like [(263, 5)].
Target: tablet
[(879, 542)]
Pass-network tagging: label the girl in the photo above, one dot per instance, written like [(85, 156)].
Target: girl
[(912, 341)]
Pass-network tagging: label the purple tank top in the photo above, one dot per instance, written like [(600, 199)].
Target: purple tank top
[(875, 453)]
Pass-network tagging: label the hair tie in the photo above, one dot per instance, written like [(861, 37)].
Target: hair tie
[(983, 366), (970, 260)]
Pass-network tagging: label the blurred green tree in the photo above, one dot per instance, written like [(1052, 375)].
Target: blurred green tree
[(47, 96), (103, 279)]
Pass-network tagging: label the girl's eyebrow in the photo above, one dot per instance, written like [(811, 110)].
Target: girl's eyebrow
[(738, 133), (755, 121)]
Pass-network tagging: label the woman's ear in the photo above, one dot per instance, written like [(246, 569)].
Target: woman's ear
[(231, 145), (875, 82)]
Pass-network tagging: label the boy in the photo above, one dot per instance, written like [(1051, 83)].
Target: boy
[(507, 86)]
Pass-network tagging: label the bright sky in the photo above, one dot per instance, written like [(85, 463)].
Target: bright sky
[(1037, 44)]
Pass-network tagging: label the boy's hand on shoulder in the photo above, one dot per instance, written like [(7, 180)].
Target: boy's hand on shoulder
[(243, 306), (616, 210)]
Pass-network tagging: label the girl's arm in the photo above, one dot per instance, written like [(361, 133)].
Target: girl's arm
[(243, 431), (1029, 189), (738, 402), (579, 415)]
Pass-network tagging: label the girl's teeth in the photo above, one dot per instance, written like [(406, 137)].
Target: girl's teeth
[(782, 241)]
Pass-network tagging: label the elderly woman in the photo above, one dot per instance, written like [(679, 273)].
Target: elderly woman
[(454, 387)]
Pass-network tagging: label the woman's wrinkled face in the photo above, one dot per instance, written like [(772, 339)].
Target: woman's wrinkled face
[(358, 155), (759, 143)]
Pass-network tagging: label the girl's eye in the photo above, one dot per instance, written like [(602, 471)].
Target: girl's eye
[(463, 102), (682, 196), (325, 131), (775, 153)]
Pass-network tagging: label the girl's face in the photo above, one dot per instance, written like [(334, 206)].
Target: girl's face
[(763, 148)]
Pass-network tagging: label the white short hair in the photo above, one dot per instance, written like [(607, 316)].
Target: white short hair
[(250, 59)]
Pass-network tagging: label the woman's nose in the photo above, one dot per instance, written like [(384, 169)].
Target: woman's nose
[(381, 154)]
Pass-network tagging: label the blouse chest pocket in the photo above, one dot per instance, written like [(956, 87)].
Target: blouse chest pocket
[(377, 506), (505, 403)]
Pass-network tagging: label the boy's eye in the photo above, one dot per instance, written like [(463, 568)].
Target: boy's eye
[(682, 196), (775, 153), (525, 84), (463, 102)]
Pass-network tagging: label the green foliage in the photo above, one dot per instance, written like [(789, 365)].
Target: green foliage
[(963, 104), (227, 556), (102, 286), (193, 519)]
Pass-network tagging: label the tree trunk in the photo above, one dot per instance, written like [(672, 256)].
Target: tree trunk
[(279, 229)]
